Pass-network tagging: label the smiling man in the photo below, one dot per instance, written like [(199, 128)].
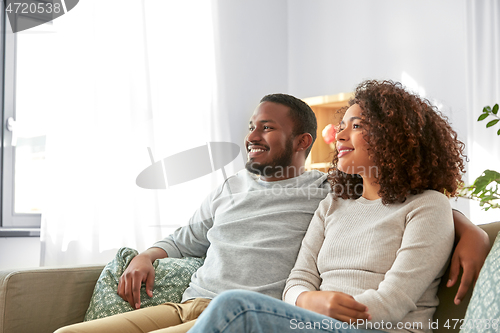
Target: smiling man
[(278, 138), (249, 229)]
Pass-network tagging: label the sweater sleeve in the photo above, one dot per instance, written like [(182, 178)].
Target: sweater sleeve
[(420, 261), (191, 240), (305, 276)]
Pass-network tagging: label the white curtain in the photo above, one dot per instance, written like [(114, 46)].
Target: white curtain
[(128, 75), (483, 79)]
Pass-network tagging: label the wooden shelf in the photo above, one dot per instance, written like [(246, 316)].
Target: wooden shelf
[(325, 108)]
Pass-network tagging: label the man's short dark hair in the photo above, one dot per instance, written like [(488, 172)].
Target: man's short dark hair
[(301, 114)]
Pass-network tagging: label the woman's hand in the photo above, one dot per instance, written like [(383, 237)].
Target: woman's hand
[(333, 304)]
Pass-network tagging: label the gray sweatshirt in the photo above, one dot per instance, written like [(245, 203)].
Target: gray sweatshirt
[(250, 232), (388, 257)]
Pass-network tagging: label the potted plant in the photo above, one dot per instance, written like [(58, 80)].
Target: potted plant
[(486, 188)]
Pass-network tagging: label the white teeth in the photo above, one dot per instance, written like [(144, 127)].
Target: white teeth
[(256, 150), (342, 150)]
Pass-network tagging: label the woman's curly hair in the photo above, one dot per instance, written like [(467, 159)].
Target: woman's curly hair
[(410, 142)]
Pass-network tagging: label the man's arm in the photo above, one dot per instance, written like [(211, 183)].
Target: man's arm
[(190, 240), (138, 271), (472, 247)]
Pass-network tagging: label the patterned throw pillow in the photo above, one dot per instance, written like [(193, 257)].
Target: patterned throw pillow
[(483, 312), (172, 277)]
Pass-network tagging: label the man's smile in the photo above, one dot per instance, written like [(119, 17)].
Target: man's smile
[(254, 151)]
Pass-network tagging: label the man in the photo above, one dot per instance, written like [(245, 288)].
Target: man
[(250, 228)]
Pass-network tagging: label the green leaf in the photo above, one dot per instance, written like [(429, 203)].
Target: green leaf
[(483, 116), (489, 198), (491, 123), (477, 191), (498, 132), (492, 174), (488, 109), (495, 109), (482, 182)]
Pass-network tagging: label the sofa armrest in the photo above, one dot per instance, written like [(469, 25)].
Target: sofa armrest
[(44, 299)]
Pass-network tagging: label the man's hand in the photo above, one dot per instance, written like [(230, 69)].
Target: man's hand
[(333, 304), (471, 251), (138, 271)]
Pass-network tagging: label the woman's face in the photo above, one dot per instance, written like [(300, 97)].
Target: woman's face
[(352, 147)]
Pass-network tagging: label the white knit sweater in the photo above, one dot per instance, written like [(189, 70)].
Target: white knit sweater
[(389, 257)]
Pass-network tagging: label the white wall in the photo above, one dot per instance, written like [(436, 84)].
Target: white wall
[(334, 45), (253, 52)]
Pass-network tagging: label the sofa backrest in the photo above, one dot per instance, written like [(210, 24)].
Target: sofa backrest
[(43, 299), (447, 312)]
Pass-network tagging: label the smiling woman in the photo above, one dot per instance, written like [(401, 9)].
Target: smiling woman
[(352, 146), (396, 126)]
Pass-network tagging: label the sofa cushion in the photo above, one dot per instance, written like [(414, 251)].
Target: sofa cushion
[(483, 313), (172, 277)]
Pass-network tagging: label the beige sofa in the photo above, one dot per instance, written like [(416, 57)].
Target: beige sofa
[(43, 299)]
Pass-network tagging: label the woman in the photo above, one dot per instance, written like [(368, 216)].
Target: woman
[(377, 247)]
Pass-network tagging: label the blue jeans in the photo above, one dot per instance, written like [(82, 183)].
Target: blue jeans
[(245, 311)]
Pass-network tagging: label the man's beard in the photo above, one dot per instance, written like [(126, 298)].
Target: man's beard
[(279, 164)]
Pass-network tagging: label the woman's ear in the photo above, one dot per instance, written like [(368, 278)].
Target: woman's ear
[(304, 141)]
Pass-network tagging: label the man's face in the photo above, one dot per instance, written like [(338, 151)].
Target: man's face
[(269, 141)]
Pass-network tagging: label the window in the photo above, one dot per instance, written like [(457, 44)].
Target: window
[(23, 149)]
